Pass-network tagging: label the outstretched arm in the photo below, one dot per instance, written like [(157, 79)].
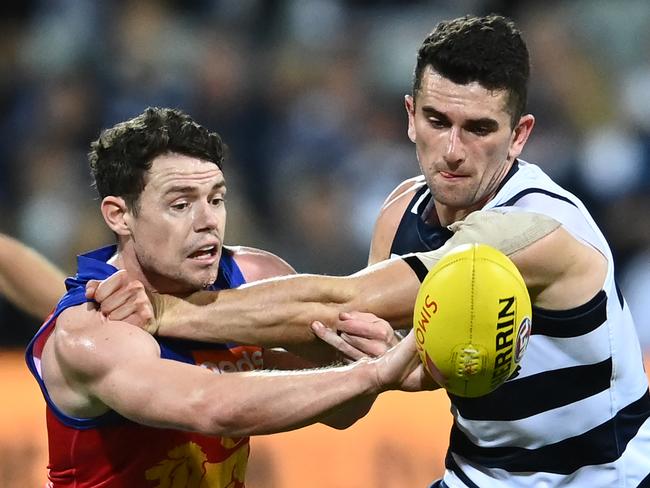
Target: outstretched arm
[(279, 311), (560, 273), (117, 366), (28, 279)]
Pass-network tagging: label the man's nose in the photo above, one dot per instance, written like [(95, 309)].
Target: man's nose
[(455, 151), (206, 216)]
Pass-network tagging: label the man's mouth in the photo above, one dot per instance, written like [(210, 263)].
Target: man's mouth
[(451, 176), (204, 253)]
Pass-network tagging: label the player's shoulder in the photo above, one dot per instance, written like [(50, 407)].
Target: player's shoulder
[(404, 192), (398, 200), (258, 264), (86, 342), (390, 217)]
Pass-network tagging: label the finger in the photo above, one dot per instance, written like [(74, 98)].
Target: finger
[(356, 315), (368, 347), (123, 311), (133, 313), (380, 331), (134, 319), (358, 327), (333, 339), (91, 288), (114, 301), (110, 285), (409, 340)]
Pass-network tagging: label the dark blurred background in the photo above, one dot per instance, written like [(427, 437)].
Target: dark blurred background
[(308, 94)]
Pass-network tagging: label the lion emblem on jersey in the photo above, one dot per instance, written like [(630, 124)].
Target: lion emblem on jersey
[(187, 466)]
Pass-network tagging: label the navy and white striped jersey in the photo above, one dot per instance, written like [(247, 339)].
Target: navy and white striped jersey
[(577, 414)]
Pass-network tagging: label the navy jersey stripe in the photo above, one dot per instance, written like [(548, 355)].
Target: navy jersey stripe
[(619, 293), (532, 395), (417, 266), (603, 444), (510, 202), (452, 465), (413, 233), (571, 323)]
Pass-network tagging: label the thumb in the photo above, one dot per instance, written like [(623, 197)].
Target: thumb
[(91, 288)]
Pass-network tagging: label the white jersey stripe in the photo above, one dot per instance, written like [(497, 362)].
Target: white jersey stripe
[(576, 414)]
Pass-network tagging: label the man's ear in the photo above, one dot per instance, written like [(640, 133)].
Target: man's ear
[(409, 105), (520, 135), (117, 215)]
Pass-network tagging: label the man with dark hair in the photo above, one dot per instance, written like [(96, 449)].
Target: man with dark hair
[(125, 409), (577, 412)]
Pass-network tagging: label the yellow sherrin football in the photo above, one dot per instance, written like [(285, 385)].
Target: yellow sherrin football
[(472, 320)]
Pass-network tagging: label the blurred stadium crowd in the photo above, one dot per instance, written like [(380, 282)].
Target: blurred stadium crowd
[(308, 94)]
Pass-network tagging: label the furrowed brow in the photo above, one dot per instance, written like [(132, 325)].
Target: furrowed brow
[(485, 122), (429, 110)]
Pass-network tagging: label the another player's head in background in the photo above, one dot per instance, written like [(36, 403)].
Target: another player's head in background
[(159, 176), (489, 50), (466, 112)]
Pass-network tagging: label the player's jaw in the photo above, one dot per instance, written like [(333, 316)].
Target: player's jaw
[(204, 253), (201, 262)]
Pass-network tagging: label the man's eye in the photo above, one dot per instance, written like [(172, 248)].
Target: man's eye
[(480, 131), (437, 124), (180, 206), (217, 201)]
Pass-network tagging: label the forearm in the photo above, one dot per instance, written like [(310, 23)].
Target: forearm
[(347, 414), (27, 279), (277, 402), (270, 313), (278, 312)]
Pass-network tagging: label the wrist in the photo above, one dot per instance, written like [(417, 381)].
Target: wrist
[(369, 367), (172, 315)]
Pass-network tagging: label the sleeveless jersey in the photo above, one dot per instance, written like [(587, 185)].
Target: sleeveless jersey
[(111, 451), (577, 413)]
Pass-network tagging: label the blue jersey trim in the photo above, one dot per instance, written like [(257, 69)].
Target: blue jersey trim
[(93, 265)]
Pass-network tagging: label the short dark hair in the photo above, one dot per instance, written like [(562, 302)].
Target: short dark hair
[(122, 155), (488, 50)]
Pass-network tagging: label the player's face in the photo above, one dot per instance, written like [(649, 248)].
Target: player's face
[(464, 140), (177, 233)]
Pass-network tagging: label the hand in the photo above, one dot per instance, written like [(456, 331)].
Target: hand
[(121, 298), (359, 335), (401, 368)]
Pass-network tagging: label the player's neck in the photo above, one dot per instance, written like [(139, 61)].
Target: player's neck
[(123, 259), (447, 215)]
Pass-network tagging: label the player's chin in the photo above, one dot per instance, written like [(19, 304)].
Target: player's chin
[(201, 276)]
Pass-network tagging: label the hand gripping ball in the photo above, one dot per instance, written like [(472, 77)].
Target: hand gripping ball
[(472, 320)]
